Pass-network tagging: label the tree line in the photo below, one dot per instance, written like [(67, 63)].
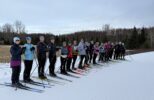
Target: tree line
[(134, 38)]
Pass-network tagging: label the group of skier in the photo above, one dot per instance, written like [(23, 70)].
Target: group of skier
[(87, 52)]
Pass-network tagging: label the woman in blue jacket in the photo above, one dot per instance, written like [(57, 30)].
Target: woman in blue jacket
[(28, 59)]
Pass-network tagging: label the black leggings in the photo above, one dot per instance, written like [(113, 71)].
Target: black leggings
[(63, 64), (102, 57), (91, 56), (94, 58), (28, 68), (81, 60), (52, 61), (41, 62), (69, 61), (15, 74), (74, 60)]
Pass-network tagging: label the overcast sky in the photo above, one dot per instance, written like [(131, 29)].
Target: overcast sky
[(65, 16)]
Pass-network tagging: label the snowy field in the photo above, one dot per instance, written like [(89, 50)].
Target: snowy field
[(132, 79)]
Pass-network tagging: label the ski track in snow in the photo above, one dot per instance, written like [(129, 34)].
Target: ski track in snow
[(132, 79)]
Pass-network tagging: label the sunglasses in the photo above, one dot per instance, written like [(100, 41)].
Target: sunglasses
[(17, 40)]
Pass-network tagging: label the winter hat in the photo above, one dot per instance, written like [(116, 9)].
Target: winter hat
[(28, 38), (52, 38), (16, 39)]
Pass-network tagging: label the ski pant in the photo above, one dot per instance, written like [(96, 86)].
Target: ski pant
[(94, 58), (102, 57), (28, 68), (63, 64), (87, 58), (41, 62), (15, 74), (110, 54), (81, 60), (74, 60), (52, 61), (69, 61), (91, 56)]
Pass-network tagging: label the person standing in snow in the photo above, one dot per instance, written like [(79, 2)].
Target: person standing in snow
[(122, 50), (63, 58), (87, 58), (16, 52), (96, 52), (52, 57), (69, 57), (28, 59), (75, 54), (91, 50), (82, 53), (41, 55), (101, 53)]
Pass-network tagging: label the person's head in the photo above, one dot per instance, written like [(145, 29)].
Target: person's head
[(41, 38), (69, 43), (52, 39), (123, 44), (82, 40), (92, 42), (97, 43), (16, 40), (74, 42), (28, 39), (120, 43), (87, 43), (64, 43), (102, 44)]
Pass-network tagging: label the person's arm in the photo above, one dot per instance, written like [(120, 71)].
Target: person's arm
[(15, 52)]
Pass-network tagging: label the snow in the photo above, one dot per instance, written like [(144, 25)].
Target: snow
[(132, 79)]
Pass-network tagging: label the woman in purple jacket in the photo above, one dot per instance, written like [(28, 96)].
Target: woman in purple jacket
[(16, 52)]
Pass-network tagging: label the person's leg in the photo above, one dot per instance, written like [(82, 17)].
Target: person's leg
[(62, 65), (39, 66), (13, 76), (86, 59), (43, 66), (74, 60), (50, 65), (91, 56), (65, 60), (81, 60), (30, 68), (18, 74), (25, 76), (69, 61), (94, 58), (53, 64)]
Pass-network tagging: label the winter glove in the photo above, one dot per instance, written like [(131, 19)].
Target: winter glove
[(23, 50), (32, 49)]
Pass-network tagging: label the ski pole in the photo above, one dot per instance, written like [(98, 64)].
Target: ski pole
[(37, 65)]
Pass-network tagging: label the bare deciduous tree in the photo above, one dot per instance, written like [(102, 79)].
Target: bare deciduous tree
[(7, 28), (19, 27)]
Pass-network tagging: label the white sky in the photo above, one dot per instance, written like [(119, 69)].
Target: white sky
[(65, 16)]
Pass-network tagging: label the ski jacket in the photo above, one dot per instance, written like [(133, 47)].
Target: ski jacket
[(41, 50), (82, 48), (29, 52), (75, 50), (52, 50), (96, 49), (70, 55), (64, 52), (16, 52), (101, 49)]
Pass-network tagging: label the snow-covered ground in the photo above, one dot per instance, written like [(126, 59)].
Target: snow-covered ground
[(132, 79)]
